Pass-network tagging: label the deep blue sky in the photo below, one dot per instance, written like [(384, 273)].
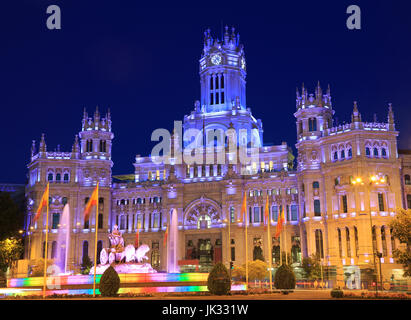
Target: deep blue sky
[(142, 62)]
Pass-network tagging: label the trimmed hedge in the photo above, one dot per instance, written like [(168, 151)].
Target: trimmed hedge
[(219, 282), (109, 283), (337, 293), (284, 278)]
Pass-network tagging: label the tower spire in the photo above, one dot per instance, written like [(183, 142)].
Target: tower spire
[(391, 123)]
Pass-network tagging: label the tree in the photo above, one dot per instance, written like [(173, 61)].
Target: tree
[(11, 216), (312, 267), (86, 264), (219, 281), (401, 229), (10, 251), (257, 270)]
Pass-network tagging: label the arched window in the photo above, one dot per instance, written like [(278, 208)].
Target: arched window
[(99, 248), (384, 152), (216, 82), (383, 241), (64, 201), (339, 243), (54, 250), (349, 153), (222, 81), (335, 155), (367, 151), (375, 152), (317, 208), (319, 243), (393, 246), (407, 179), (312, 124), (348, 242), (100, 221), (356, 241), (211, 82), (316, 185), (85, 249), (66, 177), (58, 177), (342, 154), (50, 177)]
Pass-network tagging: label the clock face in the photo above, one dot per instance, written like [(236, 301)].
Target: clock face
[(216, 59), (243, 63)]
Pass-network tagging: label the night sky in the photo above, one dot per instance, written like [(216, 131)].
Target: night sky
[(142, 62)]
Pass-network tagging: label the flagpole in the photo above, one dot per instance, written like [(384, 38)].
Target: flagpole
[(269, 245), (246, 246), (95, 245), (46, 246)]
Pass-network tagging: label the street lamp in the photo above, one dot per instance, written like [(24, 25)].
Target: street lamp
[(374, 179)]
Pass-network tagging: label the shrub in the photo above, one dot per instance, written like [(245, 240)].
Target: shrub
[(219, 281), (86, 265), (284, 278), (337, 293), (109, 283)]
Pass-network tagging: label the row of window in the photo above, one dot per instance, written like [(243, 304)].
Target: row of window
[(139, 201), (52, 177), (102, 146), (200, 171), (276, 192), (376, 152), (216, 89), (256, 214), (138, 221)]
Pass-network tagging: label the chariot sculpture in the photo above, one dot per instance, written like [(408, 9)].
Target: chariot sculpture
[(118, 253)]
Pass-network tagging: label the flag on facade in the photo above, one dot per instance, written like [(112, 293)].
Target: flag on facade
[(280, 222), (165, 236), (266, 213), (91, 202), (44, 202)]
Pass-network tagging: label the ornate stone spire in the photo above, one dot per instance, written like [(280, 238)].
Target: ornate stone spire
[(391, 123), (33, 148), (356, 116)]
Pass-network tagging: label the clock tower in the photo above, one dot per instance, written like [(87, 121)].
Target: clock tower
[(222, 73)]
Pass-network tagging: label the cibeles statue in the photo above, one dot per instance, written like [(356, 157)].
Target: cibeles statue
[(127, 259)]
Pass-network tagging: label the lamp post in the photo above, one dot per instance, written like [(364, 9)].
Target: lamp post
[(374, 180)]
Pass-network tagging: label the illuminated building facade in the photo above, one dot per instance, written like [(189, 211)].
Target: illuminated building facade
[(343, 173)]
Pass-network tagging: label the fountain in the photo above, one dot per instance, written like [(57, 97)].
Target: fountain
[(172, 247), (124, 259), (63, 240)]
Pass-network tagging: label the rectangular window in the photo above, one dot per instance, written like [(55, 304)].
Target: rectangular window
[(100, 221), (294, 212), (211, 98), (344, 203), (232, 215), (256, 214), (274, 213), (381, 201), (317, 208), (56, 220), (409, 201), (222, 97)]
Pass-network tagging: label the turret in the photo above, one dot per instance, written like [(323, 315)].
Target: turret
[(95, 137), (314, 113), (75, 151)]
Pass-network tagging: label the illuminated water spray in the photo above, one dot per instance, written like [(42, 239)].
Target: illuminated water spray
[(63, 240), (172, 245)]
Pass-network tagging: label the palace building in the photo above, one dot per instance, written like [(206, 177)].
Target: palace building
[(338, 195)]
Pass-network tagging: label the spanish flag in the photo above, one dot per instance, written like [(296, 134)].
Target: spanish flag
[(244, 208), (281, 220), (91, 202), (165, 237), (266, 213), (43, 202)]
